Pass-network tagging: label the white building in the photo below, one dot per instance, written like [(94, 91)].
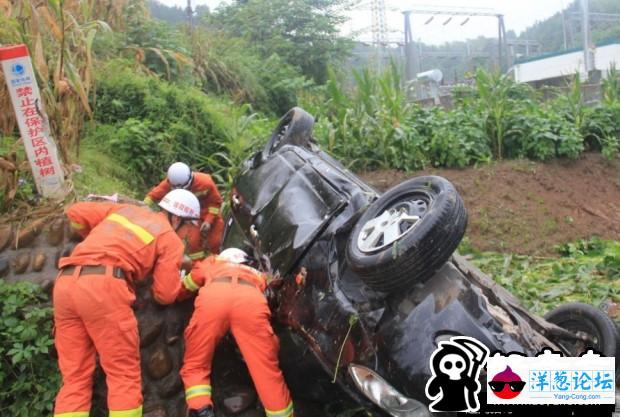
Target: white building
[(559, 65)]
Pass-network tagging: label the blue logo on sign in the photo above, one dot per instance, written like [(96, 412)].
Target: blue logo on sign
[(17, 69)]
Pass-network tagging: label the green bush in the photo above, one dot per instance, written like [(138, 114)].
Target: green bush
[(541, 133), (29, 378), (454, 139), (373, 126), (149, 123), (601, 128)]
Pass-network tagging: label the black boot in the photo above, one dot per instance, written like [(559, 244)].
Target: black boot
[(203, 412)]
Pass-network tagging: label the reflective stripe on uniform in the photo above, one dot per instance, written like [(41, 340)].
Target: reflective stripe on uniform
[(73, 414), (189, 283), (201, 193), (77, 226), (197, 255), (139, 231), (197, 391), (134, 412), (214, 210), (286, 412)]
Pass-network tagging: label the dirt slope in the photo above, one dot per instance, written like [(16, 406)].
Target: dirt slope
[(527, 207)]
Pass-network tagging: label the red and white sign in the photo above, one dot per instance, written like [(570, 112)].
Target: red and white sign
[(32, 120)]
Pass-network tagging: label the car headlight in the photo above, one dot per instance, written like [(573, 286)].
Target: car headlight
[(388, 398)]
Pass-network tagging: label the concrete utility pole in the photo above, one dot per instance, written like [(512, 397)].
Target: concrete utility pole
[(588, 58), (409, 49), (190, 19), (564, 28), (501, 40)]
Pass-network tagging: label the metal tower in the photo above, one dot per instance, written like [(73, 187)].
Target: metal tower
[(379, 30)]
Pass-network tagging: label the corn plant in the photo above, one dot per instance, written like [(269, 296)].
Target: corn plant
[(60, 38), (611, 86), (495, 106)]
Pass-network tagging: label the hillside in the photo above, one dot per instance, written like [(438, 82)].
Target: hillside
[(525, 207), (549, 32)]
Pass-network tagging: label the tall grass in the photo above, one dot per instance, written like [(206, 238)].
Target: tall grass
[(149, 123)]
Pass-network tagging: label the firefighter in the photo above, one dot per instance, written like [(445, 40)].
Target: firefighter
[(202, 185), (94, 293), (232, 298)]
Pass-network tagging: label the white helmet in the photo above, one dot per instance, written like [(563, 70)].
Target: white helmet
[(181, 203), (234, 255), (179, 175)]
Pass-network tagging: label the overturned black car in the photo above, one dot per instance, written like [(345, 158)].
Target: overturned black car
[(371, 282)]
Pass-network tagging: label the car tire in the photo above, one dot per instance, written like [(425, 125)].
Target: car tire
[(580, 317), (421, 246), (294, 128)]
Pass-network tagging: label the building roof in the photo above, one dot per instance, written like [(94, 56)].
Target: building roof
[(603, 42)]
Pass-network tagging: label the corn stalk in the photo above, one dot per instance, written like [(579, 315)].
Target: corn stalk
[(59, 35)]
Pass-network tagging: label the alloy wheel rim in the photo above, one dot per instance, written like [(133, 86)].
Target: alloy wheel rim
[(392, 224)]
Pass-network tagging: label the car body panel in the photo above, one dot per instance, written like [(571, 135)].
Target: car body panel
[(304, 205)]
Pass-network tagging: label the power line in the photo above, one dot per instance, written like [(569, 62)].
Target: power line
[(412, 62)]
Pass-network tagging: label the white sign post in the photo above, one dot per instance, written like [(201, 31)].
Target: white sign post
[(32, 120)]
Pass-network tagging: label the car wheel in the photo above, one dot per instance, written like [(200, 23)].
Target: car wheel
[(294, 128), (588, 323), (407, 234)]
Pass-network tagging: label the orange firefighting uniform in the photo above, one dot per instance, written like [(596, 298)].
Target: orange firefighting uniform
[(205, 189), (232, 298), (92, 312)]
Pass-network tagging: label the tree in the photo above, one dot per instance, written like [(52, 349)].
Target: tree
[(304, 33)]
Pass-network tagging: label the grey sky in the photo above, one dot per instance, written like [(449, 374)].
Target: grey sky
[(518, 14)]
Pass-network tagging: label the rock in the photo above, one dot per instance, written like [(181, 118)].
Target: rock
[(6, 235), (39, 261), (159, 363), (4, 267), (239, 401), (56, 232), (170, 386), (174, 332), (613, 310), (26, 236), (157, 411), (20, 262), (150, 328)]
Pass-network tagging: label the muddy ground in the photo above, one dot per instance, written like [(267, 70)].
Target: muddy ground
[(527, 207)]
